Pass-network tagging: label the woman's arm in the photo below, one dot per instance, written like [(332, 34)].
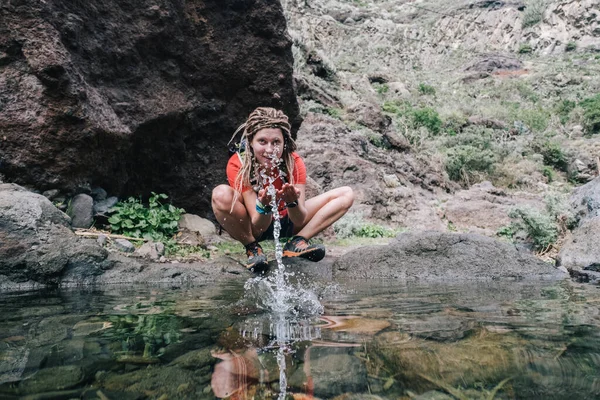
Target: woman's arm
[(295, 193), (260, 222)]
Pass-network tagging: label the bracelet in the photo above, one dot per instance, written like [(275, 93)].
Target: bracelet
[(262, 209), (291, 204)]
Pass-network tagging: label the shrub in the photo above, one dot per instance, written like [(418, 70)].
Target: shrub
[(525, 48), (464, 162), (157, 221), (548, 172), (541, 228), (591, 114), (353, 225), (571, 46), (382, 88), (552, 154), (426, 89), (563, 109), (544, 227), (428, 118), (534, 12)]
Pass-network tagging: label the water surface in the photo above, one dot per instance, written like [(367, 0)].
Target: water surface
[(503, 340)]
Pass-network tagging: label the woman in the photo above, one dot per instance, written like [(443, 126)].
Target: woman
[(243, 208)]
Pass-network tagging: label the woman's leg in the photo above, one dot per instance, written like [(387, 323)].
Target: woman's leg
[(324, 209), (237, 222)]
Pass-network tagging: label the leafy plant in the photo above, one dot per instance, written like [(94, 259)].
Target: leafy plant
[(353, 225), (534, 12), (563, 109), (571, 46), (591, 114), (552, 154), (428, 118), (541, 228), (426, 89), (382, 88), (525, 48), (463, 162), (156, 221)]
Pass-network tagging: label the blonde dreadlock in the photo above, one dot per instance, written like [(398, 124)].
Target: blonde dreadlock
[(261, 118)]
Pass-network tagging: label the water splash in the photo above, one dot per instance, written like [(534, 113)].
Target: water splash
[(276, 295)]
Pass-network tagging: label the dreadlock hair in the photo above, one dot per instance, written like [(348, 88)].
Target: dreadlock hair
[(261, 118)]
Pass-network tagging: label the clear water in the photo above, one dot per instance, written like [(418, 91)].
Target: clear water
[(374, 340)]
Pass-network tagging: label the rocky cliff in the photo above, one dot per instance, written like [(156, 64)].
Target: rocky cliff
[(135, 95)]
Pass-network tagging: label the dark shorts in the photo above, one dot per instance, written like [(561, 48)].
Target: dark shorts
[(287, 229)]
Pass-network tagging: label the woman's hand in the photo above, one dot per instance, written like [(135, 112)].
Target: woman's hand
[(263, 197), (288, 193)]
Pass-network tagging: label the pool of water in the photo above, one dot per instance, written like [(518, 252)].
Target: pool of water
[(369, 340)]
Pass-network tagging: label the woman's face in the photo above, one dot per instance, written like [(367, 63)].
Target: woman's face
[(267, 144)]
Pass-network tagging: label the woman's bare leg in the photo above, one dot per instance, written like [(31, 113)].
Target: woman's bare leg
[(324, 209), (237, 222)]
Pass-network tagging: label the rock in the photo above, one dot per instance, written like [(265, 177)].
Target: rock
[(398, 89), (124, 245), (397, 141), (495, 62), (151, 250), (196, 230), (98, 194), (581, 171), (483, 208), (585, 200), (487, 122), (103, 206), (101, 240), (334, 370), (447, 257), (470, 78), (51, 194), (370, 115), (391, 181), (77, 115), (581, 248), (55, 378), (81, 211), (37, 245)]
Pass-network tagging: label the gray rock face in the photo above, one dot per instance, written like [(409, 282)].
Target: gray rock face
[(131, 96), (81, 211), (36, 243), (586, 200), (582, 248), (435, 256)]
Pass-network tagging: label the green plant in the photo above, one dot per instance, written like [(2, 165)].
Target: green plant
[(552, 154), (548, 172), (534, 12), (506, 232), (353, 225), (571, 46), (428, 118), (525, 48), (563, 109), (540, 227), (382, 88), (156, 221), (464, 162), (591, 114), (426, 89)]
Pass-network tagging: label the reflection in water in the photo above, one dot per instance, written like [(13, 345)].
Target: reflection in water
[(494, 340)]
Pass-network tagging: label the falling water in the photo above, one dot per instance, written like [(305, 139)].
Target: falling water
[(275, 294)]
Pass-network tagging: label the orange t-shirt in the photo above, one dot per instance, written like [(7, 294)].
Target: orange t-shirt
[(235, 164)]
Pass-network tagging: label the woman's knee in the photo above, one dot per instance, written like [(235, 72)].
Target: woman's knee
[(346, 194), (222, 197)]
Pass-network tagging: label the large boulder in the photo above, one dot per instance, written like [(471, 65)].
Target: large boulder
[(36, 244), (435, 256), (582, 249), (135, 96)]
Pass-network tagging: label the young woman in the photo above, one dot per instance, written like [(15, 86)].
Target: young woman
[(243, 207)]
